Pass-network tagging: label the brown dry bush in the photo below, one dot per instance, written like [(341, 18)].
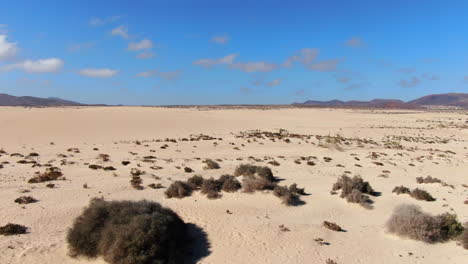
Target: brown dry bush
[(195, 181), (465, 237), (411, 222), (428, 179), (229, 183), (51, 174), (25, 200), (178, 189), (253, 171), (401, 189), (294, 189), (256, 184), (354, 190), (347, 185), (210, 164), (12, 229), (423, 195), (211, 188), (188, 170), (288, 197), (332, 226), (128, 232)]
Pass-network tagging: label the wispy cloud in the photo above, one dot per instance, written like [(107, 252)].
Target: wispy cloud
[(96, 22), (412, 82), (144, 44), (36, 66), (8, 50), (305, 56), (145, 55), (245, 90), (121, 31), (325, 66), (75, 47), (98, 73), (274, 82), (224, 39), (355, 42), (407, 70), (256, 66), (430, 76), (3, 29), (208, 63), (168, 75)]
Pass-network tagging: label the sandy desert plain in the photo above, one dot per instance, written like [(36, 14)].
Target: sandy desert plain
[(308, 146)]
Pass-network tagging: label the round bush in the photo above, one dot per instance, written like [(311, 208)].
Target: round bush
[(127, 232)]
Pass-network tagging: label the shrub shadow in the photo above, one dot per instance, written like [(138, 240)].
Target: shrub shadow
[(199, 244)]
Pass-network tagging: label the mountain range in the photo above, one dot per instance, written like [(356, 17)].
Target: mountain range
[(441, 100), (459, 100)]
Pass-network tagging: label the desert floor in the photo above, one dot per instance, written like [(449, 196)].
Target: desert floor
[(386, 148)]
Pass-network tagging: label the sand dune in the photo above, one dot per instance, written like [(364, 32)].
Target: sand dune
[(406, 145)]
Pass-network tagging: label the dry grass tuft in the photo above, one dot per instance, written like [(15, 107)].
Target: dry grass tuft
[(332, 226), (51, 174), (210, 164), (25, 200)]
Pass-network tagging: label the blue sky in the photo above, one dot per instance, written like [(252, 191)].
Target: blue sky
[(232, 52)]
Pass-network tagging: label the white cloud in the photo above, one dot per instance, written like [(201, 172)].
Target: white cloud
[(245, 90), (37, 66), (169, 75), (142, 45), (257, 66), (224, 39), (145, 55), (414, 81), (7, 49), (355, 42), (208, 63), (3, 29), (306, 56), (95, 22), (274, 82), (325, 66), (98, 73), (430, 76), (121, 31)]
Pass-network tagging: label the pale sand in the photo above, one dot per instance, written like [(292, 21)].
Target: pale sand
[(251, 234)]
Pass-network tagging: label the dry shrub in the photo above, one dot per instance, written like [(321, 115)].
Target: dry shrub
[(229, 183), (354, 190), (210, 164), (195, 182), (288, 197), (411, 222), (25, 200), (104, 157), (330, 261), (128, 232), (12, 229), (253, 171), (428, 179), (211, 186), (401, 189), (256, 184), (51, 174), (188, 169), (357, 196), (332, 226), (178, 189), (465, 238), (423, 195), (294, 189)]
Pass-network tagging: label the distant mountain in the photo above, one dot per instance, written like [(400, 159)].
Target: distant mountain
[(449, 99), (10, 100)]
